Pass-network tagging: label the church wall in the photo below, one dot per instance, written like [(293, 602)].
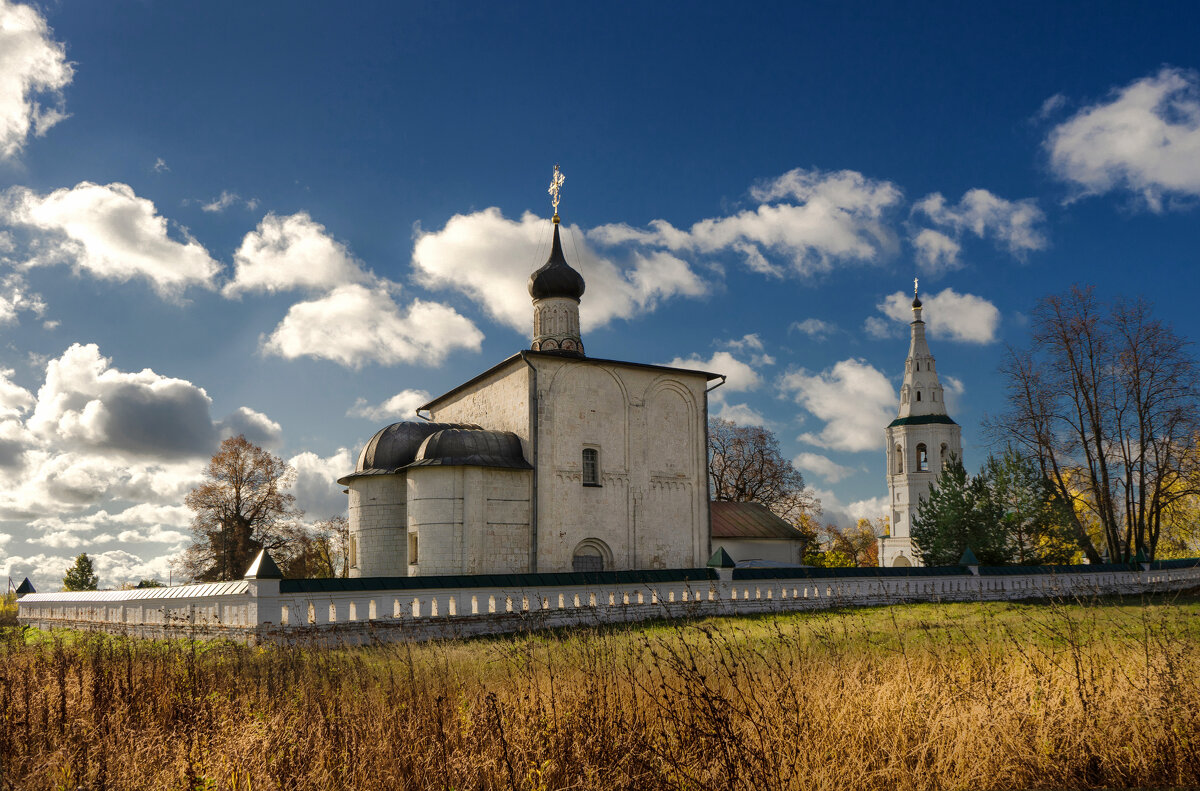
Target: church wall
[(435, 518), (469, 520), (499, 402), (650, 508), (378, 517)]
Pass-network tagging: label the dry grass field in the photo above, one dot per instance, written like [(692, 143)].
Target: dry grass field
[(975, 696)]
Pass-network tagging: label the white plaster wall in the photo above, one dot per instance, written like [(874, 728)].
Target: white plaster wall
[(469, 520), (778, 550), (649, 426), (435, 516), (498, 402), (907, 489), (378, 520)]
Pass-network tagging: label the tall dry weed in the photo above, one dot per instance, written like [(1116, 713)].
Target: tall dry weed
[(1062, 695)]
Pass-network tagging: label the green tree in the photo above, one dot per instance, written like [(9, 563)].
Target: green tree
[(81, 576), (1037, 521), (960, 513)]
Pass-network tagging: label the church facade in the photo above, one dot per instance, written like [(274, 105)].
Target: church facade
[(920, 442), (550, 461)]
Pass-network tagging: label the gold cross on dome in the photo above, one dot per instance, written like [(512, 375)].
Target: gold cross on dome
[(555, 190)]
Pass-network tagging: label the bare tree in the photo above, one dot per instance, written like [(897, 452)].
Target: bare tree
[(241, 508), (745, 465), (1105, 399)]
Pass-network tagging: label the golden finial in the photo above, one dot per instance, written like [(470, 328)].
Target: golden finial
[(555, 190), (914, 287)]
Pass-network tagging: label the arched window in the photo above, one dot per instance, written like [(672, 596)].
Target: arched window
[(945, 454), (922, 459), (591, 467), (918, 395), (899, 459)]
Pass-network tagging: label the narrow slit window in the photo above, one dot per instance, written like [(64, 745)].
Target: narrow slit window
[(412, 549), (591, 467)]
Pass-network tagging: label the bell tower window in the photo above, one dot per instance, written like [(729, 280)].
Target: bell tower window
[(922, 459)]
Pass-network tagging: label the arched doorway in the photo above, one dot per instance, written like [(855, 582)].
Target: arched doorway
[(901, 562), (591, 554)]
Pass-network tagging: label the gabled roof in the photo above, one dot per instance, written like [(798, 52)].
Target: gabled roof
[(749, 520), (529, 353)]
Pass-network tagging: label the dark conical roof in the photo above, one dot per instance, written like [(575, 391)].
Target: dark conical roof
[(25, 587), (556, 278), (264, 568)]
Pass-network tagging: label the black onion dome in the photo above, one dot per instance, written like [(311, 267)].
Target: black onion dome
[(556, 278), (466, 447), (396, 446), (916, 301)]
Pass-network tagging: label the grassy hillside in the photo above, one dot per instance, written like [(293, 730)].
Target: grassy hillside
[(1081, 695)]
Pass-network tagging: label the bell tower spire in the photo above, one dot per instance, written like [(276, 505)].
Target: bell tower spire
[(920, 442), (556, 289)]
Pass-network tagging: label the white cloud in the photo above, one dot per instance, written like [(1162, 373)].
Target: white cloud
[(814, 328), (33, 73), (254, 426), (87, 404), (354, 325), (870, 508), (743, 414), (740, 376), (948, 314), (16, 298), (292, 252), (225, 200), (823, 467), (812, 218), (749, 342), (854, 399), (110, 232), (402, 406), (880, 328), (160, 166), (489, 259), (1013, 225), (1144, 138), (316, 488), (936, 252)]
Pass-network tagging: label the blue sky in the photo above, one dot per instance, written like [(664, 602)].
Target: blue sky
[(295, 220)]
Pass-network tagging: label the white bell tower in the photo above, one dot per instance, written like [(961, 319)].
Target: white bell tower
[(920, 441)]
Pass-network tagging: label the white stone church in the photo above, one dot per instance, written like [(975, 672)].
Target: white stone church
[(920, 441), (549, 461)]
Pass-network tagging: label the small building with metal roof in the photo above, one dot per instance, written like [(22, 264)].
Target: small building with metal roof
[(751, 532)]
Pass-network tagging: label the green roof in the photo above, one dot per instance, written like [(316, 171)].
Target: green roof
[(922, 420)]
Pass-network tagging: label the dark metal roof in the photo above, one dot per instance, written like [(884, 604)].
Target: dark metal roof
[(805, 572), (529, 353), (25, 587), (464, 447), (396, 445), (497, 580), (749, 520), (922, 420), (1181, 563), (264, 568), (556, 278), (1075, 568), (721, 559)]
